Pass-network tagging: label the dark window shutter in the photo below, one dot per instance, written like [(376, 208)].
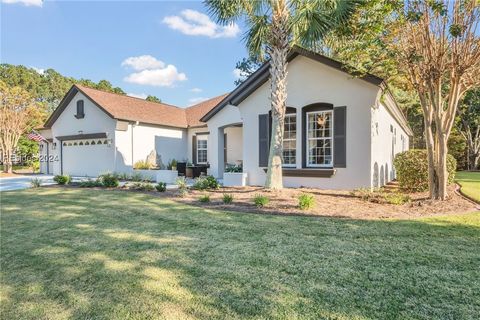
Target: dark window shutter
[(194, 149), (80, 111), (263, 139), (340, 137)]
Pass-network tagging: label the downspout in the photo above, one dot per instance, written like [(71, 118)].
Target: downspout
[(61, 158), (48, 157), (133, 125)]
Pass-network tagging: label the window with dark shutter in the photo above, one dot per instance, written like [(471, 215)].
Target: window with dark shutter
[(340, 137), (80, 110)]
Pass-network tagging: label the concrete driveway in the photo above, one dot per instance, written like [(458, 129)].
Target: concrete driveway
[(23, 182)]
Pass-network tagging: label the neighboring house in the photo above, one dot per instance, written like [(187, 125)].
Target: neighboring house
[(341, 132)]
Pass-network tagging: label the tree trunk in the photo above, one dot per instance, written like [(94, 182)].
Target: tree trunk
[(441, 167), (278, 50), (7, 161)]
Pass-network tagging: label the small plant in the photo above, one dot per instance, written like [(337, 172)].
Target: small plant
[(232, 168), (142, 164), (142, 186), (136, 176), (260, 201), (62, 179), (109, 180), (161, 187), (397, 198), (381, 196), (172, 165), (306, 201), (204, 198), (227, 198), (181, 183), (36, 182), (123, 176), (91, 183)]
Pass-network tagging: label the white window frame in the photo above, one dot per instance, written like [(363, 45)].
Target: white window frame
[(307, 149), (291, 165), (202, 138)]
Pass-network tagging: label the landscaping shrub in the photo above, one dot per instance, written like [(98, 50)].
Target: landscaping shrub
[(233, 168), (142, 164), (62, 179), (204, 183), (109, 180), (36, 182), (204, 198), (123, 176), (161, 187), (227, 198), (142, 186), (181, 183), (91, 183), (306, 201), (412, 169), (260, 201)]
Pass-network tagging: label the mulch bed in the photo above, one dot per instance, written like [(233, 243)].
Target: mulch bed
[(331, 203), (328, 203)]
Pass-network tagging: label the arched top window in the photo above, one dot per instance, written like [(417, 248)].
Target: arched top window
[(64, 144), (75, 144), (92, 143), (87, 143), (81, 143), (105, 141), (99, 142)]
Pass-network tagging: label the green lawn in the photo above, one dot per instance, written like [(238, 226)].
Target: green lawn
[(470, 183), (85, 254)]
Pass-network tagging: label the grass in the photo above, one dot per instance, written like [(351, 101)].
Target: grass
[(470, 183), (90, 254)]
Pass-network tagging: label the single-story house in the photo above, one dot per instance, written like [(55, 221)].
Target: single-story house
[(341, 132)]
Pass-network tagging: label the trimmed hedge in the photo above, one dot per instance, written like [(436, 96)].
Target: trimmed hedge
[(412, 169)]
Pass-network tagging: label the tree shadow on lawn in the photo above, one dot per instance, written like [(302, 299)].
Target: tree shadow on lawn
[(117, 255)]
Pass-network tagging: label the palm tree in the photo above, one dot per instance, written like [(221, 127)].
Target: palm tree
[(274, 26)]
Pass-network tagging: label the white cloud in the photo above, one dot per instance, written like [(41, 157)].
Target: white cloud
[(237, 74), (28, 3), (152, 71), (196, 90), (194, 23), (143, 63), (196, 100), (164, 77), (138, 95), (39, 70)]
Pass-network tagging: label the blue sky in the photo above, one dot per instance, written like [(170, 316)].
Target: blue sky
[(170, 49)]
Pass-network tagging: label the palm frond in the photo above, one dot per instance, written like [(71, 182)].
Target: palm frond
[(311, 20), (257, 35)]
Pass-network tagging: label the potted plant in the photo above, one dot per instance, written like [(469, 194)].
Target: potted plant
[(234, 176)]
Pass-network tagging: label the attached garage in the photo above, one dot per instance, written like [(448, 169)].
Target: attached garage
[(87, 156)]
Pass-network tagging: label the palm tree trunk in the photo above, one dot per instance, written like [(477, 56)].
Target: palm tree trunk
[(278, 49)]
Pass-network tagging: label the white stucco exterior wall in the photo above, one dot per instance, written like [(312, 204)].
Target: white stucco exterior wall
[(169, 143), (312, 82), (388, 139)]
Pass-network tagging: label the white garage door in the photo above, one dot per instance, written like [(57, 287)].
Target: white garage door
[(87, 157)]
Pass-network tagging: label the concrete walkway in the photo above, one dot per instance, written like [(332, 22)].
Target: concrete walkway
[(23, 182)]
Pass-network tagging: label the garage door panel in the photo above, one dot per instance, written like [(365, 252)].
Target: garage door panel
[(87, 158)]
